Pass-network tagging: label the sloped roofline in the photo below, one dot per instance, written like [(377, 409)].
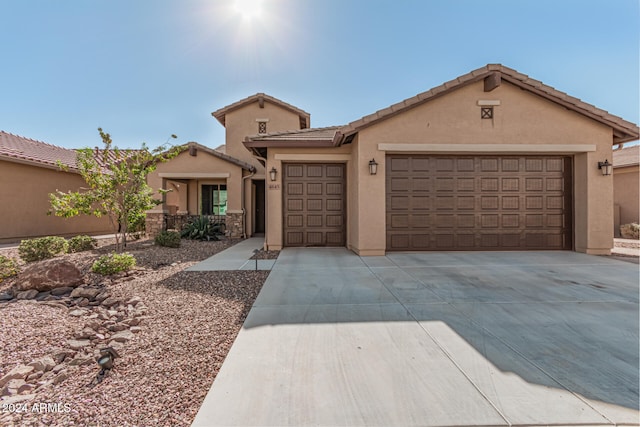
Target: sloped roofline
[(260, 98), (225, 157), (19, 149), (493, 74)]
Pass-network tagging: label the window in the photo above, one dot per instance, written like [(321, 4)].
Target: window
[(214, 199), (262, 127)]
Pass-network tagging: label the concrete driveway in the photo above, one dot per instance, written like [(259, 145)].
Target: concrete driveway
[(435, 339)]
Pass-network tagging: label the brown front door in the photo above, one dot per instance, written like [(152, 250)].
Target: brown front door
[(478, 202), (314, 204)]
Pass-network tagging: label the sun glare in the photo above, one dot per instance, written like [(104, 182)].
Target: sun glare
[(248, 9)]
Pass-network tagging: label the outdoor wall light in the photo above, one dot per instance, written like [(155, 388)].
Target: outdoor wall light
[(605, 167), (273, 173), (373, 167)]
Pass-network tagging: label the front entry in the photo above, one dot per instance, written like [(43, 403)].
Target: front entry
[(314, 204), (259, 207)]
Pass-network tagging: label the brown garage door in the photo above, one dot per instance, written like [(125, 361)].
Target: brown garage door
[(314, 204), (478, 202)]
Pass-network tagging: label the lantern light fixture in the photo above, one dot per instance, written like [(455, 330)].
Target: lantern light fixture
[(373, 167), (273, 173), (605, 167)]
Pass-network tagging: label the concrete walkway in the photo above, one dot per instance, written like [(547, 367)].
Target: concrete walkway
[(435, 339), (236, 258)]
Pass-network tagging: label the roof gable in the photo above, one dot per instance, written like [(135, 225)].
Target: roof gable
[(261, 98), (493, 75)]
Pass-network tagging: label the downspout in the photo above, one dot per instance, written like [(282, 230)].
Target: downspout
[(244, 212)]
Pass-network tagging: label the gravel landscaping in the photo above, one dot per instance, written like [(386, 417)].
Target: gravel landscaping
[(171, 328)]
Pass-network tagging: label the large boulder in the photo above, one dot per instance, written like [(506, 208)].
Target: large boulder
[(49, 274)]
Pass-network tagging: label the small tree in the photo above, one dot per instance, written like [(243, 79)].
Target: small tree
[(117, 184)]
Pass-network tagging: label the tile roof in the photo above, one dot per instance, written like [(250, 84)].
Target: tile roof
[(222, 156), (313, 134), (629, 156), (261, 98), (25, 150), (623, 130)]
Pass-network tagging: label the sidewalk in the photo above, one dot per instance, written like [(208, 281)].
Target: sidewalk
[(236, 258)]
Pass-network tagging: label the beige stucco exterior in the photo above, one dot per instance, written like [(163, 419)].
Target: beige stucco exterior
[(522, 123), (626, 194), (25, 190)]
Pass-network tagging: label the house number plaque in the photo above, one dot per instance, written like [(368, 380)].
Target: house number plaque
[(274, 186)]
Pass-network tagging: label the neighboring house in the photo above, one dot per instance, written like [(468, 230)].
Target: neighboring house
[(626, 187), (492, 160), (28, 173)]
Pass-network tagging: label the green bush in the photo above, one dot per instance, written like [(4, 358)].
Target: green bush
[(170, 239), (8, 267), (82, 243), (113, 263), (202, 229), (42, 248)]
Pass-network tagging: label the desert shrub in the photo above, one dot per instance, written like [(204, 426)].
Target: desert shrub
[(170, 239), (113, 263), (630, 231), (82, 243), (202, 228), (8, 267), (42, 248)]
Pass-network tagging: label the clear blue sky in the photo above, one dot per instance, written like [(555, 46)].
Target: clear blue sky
[(144, 69)]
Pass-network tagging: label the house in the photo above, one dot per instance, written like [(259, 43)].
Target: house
[(626, 187), (492, 160), (29, 172)]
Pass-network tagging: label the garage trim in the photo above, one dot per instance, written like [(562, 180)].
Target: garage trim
[(488, 148)]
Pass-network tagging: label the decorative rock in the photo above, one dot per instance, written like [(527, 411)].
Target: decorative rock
[(54, 304), (61, 355), (102, 296), (34, 376), (135, 329), (122, 336), (115, 344), (25, 388), (19, 372), (85, 333), (61, 291), (58, 368), (82, 302), (60, 378), (112, 313), (30, 294), (134, 321), (5, 296), (85, 292), (12, 387), (43, 364), (77, 313), (42, 296), (117, 327), (100, 336), (49, 274), (110, 301), (81, 361), (78, 344), (135, 300)]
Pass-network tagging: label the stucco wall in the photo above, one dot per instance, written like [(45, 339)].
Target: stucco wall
[(244, 122), (522, 120), (24, 192), (197, 170), (626, 193)]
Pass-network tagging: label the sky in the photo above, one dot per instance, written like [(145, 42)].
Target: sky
[(145, 69)]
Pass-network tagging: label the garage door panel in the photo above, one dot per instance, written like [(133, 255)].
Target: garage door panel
[(314, 204), (478, 202)]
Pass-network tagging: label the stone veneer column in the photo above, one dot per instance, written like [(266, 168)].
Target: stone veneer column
[(154, 223), (234, 224)]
